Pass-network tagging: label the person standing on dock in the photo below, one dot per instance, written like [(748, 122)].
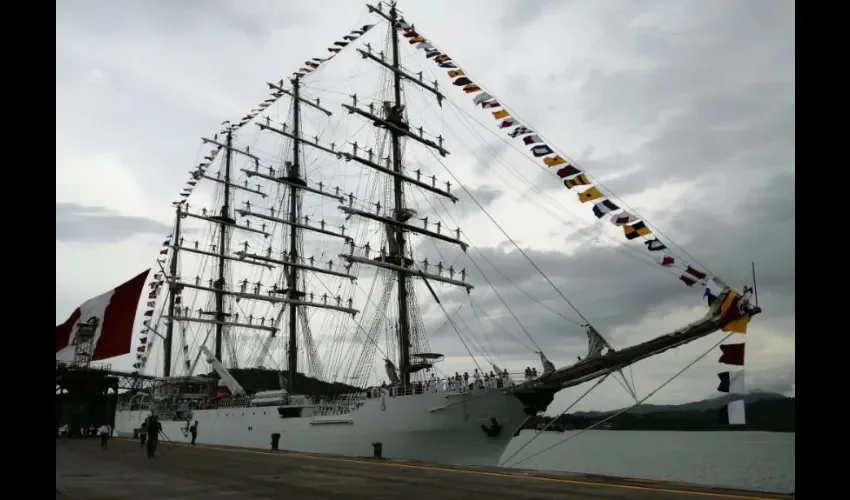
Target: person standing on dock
[(153, 429), (104, 435), (194, 431)]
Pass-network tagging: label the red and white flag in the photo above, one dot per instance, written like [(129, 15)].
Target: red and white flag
[(115, 314)]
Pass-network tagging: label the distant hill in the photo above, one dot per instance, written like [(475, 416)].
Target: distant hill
[(764, 412), (705, 404)]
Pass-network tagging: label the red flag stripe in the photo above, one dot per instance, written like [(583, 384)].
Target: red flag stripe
[(118, 319), (63, 331), (732, 354)]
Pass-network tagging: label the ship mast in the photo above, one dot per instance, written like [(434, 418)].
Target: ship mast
[(224, 220), (391, 118), (291, 178), (172, 297), (221, 252), (294, 233), (398, 195)]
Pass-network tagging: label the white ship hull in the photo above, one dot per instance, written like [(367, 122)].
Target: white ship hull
[(440, 427)]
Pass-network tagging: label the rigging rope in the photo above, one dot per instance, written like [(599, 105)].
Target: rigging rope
[(252, 306), (588, 231), (516, 245), (568, 408), (439, 303), (675, 376), (624, 204)]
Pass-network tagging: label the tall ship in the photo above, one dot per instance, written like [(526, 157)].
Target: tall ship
[(314, 241)]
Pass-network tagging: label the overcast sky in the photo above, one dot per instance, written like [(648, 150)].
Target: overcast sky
[(685, 107)]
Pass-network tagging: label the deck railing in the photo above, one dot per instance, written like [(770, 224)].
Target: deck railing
[(346, 403), (104, 367)]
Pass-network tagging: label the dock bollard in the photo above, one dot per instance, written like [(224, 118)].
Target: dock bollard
[(275, 441), (377, 449)]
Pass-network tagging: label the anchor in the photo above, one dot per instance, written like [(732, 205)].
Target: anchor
[(495, 430)]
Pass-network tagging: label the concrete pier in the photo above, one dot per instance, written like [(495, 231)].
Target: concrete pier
[(84, 471)]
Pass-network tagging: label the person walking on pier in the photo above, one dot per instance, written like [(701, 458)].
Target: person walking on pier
[(153, 430), (104, 435), (143, 432), (194, 431)]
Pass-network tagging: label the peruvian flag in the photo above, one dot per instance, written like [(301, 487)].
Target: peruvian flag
[(115, 314)]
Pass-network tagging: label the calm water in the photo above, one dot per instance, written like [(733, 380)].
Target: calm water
[(746, 460)]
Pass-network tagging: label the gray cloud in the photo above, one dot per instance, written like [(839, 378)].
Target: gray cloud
[(711, 103), (484, 195), (780, 379), (105, 18), (746, 133), (717, 101), (80, 223), (518, 13), (486, 155)]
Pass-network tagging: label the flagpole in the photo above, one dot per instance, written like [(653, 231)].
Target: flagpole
[(755, 287)]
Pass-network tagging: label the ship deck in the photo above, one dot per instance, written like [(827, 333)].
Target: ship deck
[(84, 471)]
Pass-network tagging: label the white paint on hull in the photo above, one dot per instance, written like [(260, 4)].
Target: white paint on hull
[(435, 427)]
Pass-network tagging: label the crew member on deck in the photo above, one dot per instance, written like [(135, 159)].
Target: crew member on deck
[(194, 431)]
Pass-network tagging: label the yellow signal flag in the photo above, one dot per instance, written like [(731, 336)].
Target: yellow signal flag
[(590, 195), (632, 231), (730, 319), (579, 180), (554, 161), (456, 72)]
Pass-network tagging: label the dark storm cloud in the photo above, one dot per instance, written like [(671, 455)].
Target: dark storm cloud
[(753, 136), (761, 229), (716, 98), (77, 223), (614, 290), (709, 86)]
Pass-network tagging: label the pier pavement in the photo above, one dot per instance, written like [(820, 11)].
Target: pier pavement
[(181, 471)]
